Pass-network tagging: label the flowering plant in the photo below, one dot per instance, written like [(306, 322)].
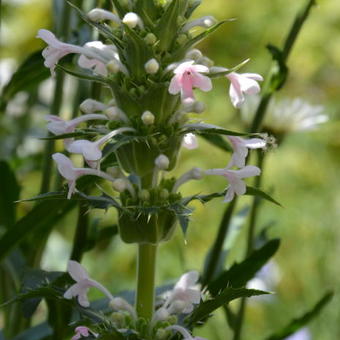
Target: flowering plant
[(146, 60)]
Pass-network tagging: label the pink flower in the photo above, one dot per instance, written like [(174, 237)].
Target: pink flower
[(242, 83), (71, 174), (91, 150), (58, 126), (83, 331), (188, 76), (234, 177), (82, 285), (240, 147)]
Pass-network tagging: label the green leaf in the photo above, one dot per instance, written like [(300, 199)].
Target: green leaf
[(301, 321), (27, 77), (9, 193), (71, 135), (257, 192), (280, 73), (240, 273), (217, 140), (38, 332), (118, 7), (227, 295), (83, 75), (167, 27), (41, 217), (210, 129)]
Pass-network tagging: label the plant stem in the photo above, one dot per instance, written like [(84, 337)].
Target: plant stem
[(146, 266)]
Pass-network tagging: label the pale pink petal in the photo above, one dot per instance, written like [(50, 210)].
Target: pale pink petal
[(77, 271), (181, 68), (254, 76), (49, 38), (186, 86), (175, 84), (254, 143), (238, 186), (236, 95), (229, 196), (65, 166), (248, 171), (190, 141), (249, 86), (92, 152), (71, 188), (200, 68), (187, 280), (202, 82)]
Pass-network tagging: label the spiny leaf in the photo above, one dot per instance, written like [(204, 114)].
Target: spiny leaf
[(301, 321), (240, 273), (227, 295), (257, 192)]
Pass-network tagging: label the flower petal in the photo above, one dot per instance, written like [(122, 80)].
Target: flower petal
[(77, 271)]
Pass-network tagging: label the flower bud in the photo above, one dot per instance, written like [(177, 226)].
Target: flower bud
[(178, 306), (144, 195), (131, 19), (98, 14), (161, 334), (182, 39), (151, 66), (148, 118), (113, 66), (162, 162), (114, 171), (118, 319), (150, 39), (116, 114), (193, 54), (164, 194), (91, 105), (120, 185), (198, 107)]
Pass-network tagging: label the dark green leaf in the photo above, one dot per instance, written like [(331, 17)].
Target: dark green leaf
[(28, 76), (71, 135), (210, 129), (301, 321), (9, 193), (280, 74), (83, 75), (240, 273), (227, 295), (257, 192), (118, 7), (38, 332), (218, 141)]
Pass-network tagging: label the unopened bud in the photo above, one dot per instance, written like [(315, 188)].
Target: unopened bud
[(198, 107), (150, 39), (98, 14), (119, 185), (148, 118), (118, 319), (113, 66), (152, 66), (164, 194), (205, 61), (91, 105), (114, 171), (182, 39), (162, 162), (112, 113), (194, 54), (131, 19), (144, 195), (161, 334)]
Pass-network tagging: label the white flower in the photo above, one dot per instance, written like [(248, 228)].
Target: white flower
[(148, 118), (302, 334), (240, 147), (91, 150), (287, 115), (58, 126), (120, 304), (190, 141), (71, 173), (131, 20), (151, 66), (90, 106), (236, 184), (162, 162), (184, 332), (243, 83), (82, 285)]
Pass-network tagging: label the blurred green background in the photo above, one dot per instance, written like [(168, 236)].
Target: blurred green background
[(303, 172)]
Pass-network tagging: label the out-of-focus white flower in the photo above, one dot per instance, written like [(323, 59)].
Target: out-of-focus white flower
[(240, 147), (303, 334), (83, 331), (91, 106), (188, 76), (287, 115), (71, 173), (190, 141), (184, 332), (82, 285), (242, 83), (236, 184), (162, 162), (193, 174), (58, 126), (121, 304), (99, 14), (91, 150), (132, 20)]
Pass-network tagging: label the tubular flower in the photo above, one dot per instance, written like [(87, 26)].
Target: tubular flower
[(188, 76), (83, 331), (58, 126), (234, 177), (99, 14), (184, 332), (240, 147), (71, 174), (57, 50), (242, 83), (91, 150), (82, 285)]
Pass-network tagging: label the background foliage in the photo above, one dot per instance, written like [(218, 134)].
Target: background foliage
[(303, 172)]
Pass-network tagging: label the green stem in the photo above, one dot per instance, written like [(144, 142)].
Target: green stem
[(250, 243), (146, 267)]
